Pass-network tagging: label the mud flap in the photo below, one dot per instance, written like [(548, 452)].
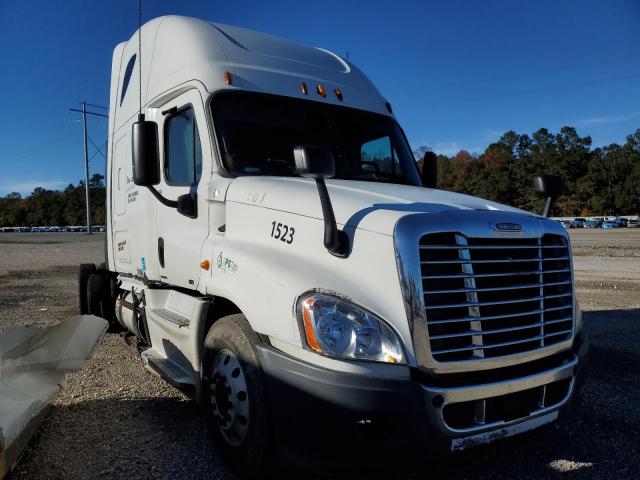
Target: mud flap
[(33, 365)]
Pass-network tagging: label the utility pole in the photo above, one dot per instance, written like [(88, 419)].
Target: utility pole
[(86, 167), (86, 155)]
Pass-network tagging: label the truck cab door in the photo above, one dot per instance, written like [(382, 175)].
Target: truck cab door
[(185, 159)]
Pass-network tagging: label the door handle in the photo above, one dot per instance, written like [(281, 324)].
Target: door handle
[(161, 251)]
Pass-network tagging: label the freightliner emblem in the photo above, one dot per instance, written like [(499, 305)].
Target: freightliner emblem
[(507, 227)]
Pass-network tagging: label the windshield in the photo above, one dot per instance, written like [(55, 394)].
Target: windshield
[(257, 134)]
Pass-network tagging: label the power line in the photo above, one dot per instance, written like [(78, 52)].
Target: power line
[(89, 113), (96, 106)]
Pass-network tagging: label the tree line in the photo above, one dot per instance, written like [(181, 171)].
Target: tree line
[(599, 181), (54, 207)]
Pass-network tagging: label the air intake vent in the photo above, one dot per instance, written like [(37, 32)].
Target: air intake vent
[(487, 297)]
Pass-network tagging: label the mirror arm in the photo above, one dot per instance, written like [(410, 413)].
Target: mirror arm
[(548, 202), (165, 201), (336, 241)]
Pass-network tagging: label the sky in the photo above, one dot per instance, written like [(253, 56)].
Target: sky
[(458, 73)]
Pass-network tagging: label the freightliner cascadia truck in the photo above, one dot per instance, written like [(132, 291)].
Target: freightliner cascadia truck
[(276, 253)]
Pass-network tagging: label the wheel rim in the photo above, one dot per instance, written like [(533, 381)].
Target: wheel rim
[(230, 397)]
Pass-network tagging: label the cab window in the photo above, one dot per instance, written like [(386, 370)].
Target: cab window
[(378, 157), (183, 152), (258, 133)]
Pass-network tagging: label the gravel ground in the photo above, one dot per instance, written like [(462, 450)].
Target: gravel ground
[(116, 420)]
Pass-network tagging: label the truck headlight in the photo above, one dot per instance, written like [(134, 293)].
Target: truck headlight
[(340, 329)]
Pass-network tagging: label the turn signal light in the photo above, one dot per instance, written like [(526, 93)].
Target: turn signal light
[(338, 94), (227, 77), (303, 87), (307, 318), (205, 265), (321, 91)]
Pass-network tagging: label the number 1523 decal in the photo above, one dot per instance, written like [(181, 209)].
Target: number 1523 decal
[(282, 232)]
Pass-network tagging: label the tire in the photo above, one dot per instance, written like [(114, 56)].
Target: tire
[(235, 400), (85, 270), (96, 295), (101, 301)]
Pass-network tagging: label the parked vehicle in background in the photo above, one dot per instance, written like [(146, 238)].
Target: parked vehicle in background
[(621, 222), (593, 223), (609, 224), (632, 224), (566, 223), (578, 222)]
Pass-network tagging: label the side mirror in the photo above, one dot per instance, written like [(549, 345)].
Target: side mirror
[(550, 187), (314, 162), (430, 170), (146, 167), (188, 205), (318, 163), (144, 152)]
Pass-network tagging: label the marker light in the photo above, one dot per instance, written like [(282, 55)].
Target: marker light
[(227, 77), (337, 328), (303, 87), (338, 94), (205, 265), (321, 91)]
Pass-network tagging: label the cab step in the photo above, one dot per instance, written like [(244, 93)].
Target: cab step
[(172, 317), (169, 371)]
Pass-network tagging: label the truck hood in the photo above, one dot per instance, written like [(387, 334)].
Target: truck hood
[(369, 206)]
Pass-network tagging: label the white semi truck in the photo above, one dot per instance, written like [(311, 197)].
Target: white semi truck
[(277, 254)]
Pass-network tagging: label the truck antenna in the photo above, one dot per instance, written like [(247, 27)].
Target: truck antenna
[(140, 115)]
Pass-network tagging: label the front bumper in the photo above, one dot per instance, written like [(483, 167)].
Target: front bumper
[(322, 416)]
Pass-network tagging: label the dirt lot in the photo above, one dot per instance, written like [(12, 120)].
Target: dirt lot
[(118, 421)]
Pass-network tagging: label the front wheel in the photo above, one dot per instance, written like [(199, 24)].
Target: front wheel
[(235, 397)]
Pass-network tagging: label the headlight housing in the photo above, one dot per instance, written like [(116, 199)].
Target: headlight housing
[(337, 328)]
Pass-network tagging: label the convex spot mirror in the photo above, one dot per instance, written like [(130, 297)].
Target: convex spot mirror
[(430, 170), (549, 185), (314, 162), (188, 205), (146, 159)]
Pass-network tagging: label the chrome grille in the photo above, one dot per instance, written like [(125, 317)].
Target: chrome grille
[(487, 297)]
